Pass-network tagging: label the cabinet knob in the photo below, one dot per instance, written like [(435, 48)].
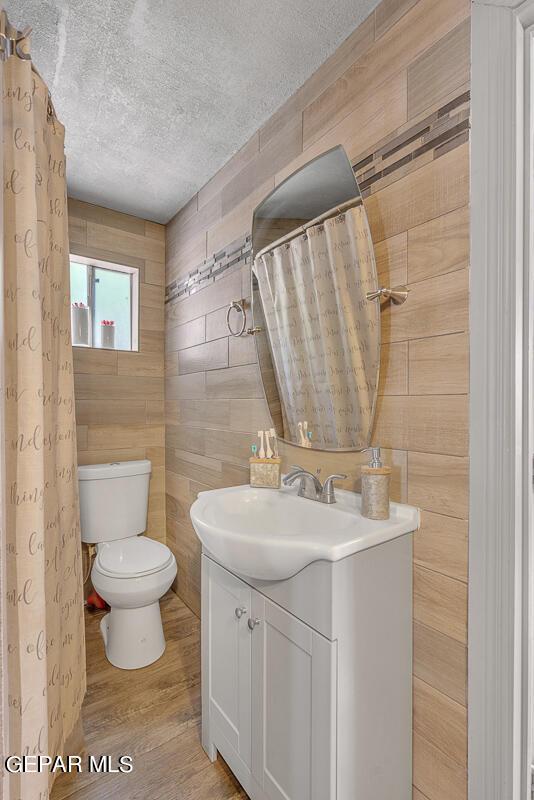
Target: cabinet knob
[(252, 623), (240, 611)]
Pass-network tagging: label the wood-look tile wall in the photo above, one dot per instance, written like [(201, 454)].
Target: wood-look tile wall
[(398, 75), (120, 395)]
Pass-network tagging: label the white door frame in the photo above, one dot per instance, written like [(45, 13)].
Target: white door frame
[(4, 705), (500, 546)]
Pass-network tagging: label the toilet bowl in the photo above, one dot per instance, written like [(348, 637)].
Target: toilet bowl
[(131, 572), (132, 575)]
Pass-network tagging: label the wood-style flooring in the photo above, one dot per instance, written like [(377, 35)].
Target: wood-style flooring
[(152, 714)]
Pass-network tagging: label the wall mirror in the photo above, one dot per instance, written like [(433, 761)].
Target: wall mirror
[(317, 334)]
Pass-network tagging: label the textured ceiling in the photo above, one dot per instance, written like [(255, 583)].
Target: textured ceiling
[(156, 95)]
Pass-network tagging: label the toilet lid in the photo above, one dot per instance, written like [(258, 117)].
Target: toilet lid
[(132, 557)]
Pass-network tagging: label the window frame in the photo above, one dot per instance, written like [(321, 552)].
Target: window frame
[(95, 263)]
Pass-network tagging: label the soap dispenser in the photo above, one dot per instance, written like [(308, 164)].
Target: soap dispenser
[(375, 487)]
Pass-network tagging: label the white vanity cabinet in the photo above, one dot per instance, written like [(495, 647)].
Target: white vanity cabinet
[(266, 678), (306, 682)]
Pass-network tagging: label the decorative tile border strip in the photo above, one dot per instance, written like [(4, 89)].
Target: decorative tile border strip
[(231, 257), (431, 137), (394, 157)]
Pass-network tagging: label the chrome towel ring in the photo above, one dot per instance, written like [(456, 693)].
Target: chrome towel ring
[(238, 305)]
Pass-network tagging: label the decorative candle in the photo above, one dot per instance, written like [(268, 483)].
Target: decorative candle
[(80, 324), (107, 335)]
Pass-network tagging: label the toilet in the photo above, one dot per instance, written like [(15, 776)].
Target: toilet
[(130, 572)]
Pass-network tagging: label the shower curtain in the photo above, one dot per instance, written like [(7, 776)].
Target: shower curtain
[(323, 333), (42, 605)]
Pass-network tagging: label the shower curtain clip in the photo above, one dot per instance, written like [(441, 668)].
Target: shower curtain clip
[(12, 44), (19, 39)]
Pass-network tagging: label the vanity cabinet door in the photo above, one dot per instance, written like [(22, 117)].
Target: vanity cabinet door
[(226, 608), (293, 706)]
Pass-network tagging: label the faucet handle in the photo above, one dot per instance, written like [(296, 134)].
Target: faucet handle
[(336, 478), (328, 487)]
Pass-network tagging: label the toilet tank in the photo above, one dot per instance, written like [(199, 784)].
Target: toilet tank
[(113, 500)]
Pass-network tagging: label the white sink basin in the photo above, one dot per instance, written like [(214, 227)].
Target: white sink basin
[(271, 534)]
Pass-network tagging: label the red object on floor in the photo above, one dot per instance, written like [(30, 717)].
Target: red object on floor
[(95, 601)]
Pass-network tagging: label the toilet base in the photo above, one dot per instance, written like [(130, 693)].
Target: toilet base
[(133, 637)]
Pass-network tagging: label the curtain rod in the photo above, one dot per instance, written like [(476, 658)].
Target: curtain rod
[(332, 212)]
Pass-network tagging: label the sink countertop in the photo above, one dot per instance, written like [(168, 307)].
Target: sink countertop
[(271, 534)]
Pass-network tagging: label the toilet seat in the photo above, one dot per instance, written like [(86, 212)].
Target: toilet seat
[(133, 557)]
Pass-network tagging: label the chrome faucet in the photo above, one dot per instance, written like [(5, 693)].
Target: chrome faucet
[(310, 485)]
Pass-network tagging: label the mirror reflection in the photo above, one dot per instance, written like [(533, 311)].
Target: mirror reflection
[(319, 343)]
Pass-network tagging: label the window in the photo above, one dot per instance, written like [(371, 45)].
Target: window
[(104, 304)]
